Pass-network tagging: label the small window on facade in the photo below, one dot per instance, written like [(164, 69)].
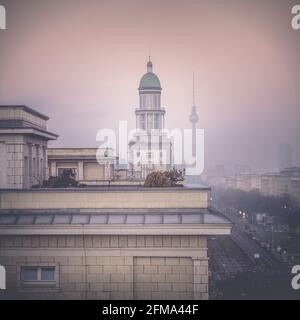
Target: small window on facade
[(32, 276), (156, 121), (150, 121), (143, 122), (157, 102), (48, 274)]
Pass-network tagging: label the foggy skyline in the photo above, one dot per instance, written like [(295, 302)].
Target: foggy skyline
[(80, 63)]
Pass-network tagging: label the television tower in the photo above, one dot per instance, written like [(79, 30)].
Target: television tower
[(194, 118)]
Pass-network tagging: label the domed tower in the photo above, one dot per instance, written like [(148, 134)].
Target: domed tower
[(150, 114), (150, 149)]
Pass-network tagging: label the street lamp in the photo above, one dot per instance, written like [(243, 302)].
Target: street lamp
[(278, 249), (256, 256)]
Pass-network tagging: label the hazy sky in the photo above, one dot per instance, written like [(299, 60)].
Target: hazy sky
[(80, 62)]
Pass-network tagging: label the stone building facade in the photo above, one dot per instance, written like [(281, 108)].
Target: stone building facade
[(23, 147), (91, 267), (91, 166), (107, 243)]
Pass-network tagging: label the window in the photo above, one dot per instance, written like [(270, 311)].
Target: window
[(37, 274), (38, 277), (148, 101), (60, 171), (30, 274), (156, 121), (149, 122), (143, 122), (48, 274), (156, 102)]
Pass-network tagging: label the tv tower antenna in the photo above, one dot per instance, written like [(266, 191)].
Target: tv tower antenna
[(194, 118)]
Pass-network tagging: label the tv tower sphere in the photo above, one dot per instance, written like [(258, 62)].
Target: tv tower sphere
[(194, 116)]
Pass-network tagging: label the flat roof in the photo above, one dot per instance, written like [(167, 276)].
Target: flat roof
[(29, 131), (111, 216), (111, 188), (81, 148), (27, 109), (113, 222)]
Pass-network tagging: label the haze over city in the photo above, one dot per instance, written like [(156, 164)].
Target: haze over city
[(81, 62)]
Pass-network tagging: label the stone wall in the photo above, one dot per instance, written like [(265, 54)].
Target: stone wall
[(107, 198), (23, 161), (163, 278), (11, 113), (109, 267)]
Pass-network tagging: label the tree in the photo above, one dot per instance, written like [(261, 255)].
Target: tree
[(65, 180), (174, 176), (164, 179), (283, 207)]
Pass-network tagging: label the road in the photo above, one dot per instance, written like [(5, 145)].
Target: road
[(226, 265), (259, 256)]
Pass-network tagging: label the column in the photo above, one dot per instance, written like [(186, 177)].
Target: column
[(38, 168), (45, 163), (107, 174), (3, 165), (80, 171), (200, 278), (53, 172), (11, 170), (30, 160)]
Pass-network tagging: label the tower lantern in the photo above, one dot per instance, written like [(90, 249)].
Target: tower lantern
[(150, 114)]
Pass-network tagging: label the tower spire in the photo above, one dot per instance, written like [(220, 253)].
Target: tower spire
[(194, 116), (149, 65), (194, 89), (194, 119)]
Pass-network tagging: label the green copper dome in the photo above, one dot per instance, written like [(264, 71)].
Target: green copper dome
[(150, 81)]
